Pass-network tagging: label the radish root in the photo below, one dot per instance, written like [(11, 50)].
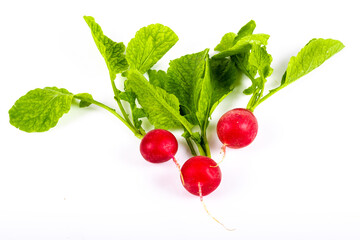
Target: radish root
[(207, 211), (179, 167), (223, 153)]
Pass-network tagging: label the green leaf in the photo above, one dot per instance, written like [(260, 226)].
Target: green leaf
[(161, 108), (260, 60), (86, 99), (250, 90), (227, 41), (185, 81), (203, 94), (243, 45), (112, 52), (158, 78), (241, 61), (246, 30), (315, 53), (255, 64), (230, 39), (200, 84), (40, 109), (149, 45), (224, 75)]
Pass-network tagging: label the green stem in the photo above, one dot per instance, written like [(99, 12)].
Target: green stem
[(206, 148), (117, 98), (253, 99), (267, 96), (139, 131), (205, 143), (192, 149), (202, 152), (130, 126)]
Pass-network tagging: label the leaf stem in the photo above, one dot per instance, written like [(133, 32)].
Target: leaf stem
[(113, 111), (117, 98), (190, 144), (139, 131), (205, 143), (253, 99), (266, 97), (202, 151)]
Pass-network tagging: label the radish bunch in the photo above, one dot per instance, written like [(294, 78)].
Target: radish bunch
[(200, 175), (182, 97)]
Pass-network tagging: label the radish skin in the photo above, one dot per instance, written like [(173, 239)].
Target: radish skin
[(237, 128)]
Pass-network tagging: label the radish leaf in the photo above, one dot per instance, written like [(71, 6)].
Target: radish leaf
[(185, 79), (227, 41), (40, 109), (112, 52), (85, 99), (242, 45), (224, 75), (315, 53), (158, 78), (203, 93), (246, 30), (149, 45), (230, 39), (161, 108)]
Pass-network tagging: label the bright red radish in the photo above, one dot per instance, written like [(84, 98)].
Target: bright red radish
[(201, 175), (237, 128), (158, 146)]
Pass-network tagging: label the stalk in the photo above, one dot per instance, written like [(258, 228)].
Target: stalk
[(117, 98), (113, 111), (190, 144), (266, 96), (202, 151), (139, 131), (205, 144)]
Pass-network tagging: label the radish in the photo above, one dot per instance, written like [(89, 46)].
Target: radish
[(201, 176), (183, 97), (237, 128), (158, 146)]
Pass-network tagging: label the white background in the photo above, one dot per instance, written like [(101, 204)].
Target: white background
[(85, 178)]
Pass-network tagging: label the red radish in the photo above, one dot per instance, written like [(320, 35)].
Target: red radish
[(200, 175), (158, 146), (237, 128)]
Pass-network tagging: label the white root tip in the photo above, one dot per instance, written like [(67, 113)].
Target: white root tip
[(207, 211)]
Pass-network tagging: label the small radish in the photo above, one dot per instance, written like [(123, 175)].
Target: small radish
[(158, 146), (237, 128), (201, 176)]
